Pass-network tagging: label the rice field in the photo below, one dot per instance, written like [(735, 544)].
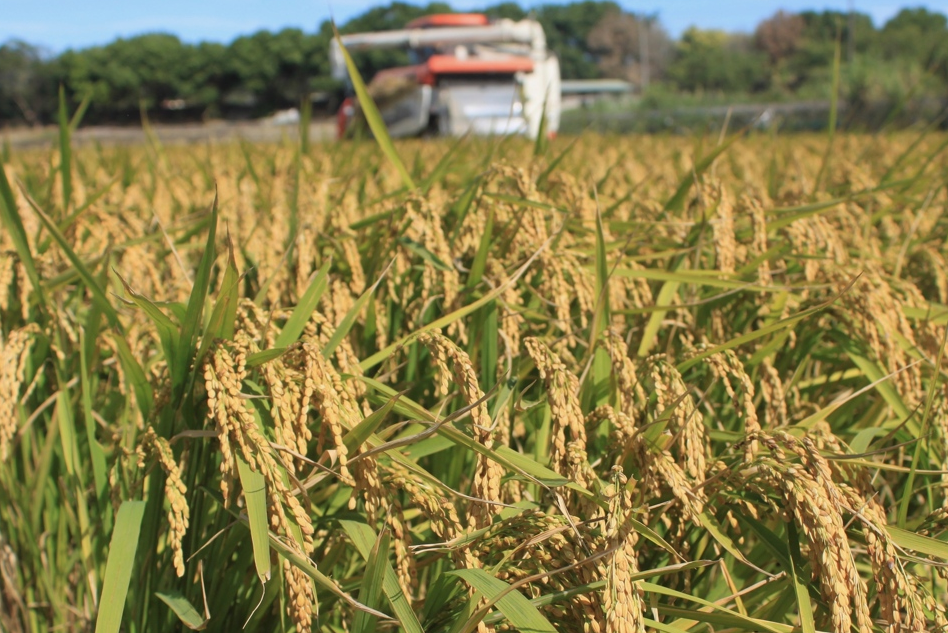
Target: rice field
[(605, 384)]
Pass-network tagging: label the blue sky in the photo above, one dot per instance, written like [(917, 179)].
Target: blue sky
[(61, 24)]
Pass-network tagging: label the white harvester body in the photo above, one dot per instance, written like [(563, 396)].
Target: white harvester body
[(469, 75)]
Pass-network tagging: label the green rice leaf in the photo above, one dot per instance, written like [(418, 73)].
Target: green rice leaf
[(599, 585), (510, 602), (725, 541), (768, 539), (373, 116), (67, 432), (545, 174), (420, 250), (225, 311), (448, 319), (507, 457), (722, 615), (918, 543), (804, 606), (489, 352), (729, 620), (788, 216), (783, 324), (302, 563), (222, 322), (98, 294), (370, 593), (65, 151), (909, 488), (526, 464), (885, 388), (650, 333), (168, 331), (441, 168), (118, 569), (362, 431), (80, 112), (345, 325), (99, 468), (708, 278), (677, 201), (301, 314), (363, 537), (193, 318), (255, 495), (13, 224), (259, 358), (653, 536), (602, 317), (135, 375), (542, 140), (187, 614), (483, 249)]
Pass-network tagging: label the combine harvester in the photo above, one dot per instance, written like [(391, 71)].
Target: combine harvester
[(468, 74)]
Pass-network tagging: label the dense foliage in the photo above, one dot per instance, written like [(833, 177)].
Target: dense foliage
[(789, 56)]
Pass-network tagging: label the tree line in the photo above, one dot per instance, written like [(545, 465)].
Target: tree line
[(788, 56)]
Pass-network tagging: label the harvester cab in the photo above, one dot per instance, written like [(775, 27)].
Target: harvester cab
[(468, 74)]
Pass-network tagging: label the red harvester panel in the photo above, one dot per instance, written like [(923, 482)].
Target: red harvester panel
[(450, 65), (448, 19)]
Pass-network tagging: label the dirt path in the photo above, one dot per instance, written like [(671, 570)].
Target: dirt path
[(256, 132)]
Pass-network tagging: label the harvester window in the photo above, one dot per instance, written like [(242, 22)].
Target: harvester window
[(421, 54)]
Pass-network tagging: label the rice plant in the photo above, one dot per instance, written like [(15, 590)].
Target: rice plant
[(612, 384)]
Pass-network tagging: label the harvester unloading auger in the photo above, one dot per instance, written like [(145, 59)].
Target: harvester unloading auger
[(468, 74)]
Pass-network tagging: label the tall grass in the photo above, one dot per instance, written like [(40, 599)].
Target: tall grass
[(614, 385)]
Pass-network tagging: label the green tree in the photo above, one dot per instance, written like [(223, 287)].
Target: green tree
[(821, 30), (271, 70), (567, 29), (718, 61), (631, 47), (918, 34), (200, 84), (779, 36), (899, 61), (508, 10), (21, 82), (146, 69)]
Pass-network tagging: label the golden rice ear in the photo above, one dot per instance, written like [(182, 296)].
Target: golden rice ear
[(301, 603), (751, 205), (774, 396), (175, 493), (815, 504), (14, 354), (718, 200), (630, 394), (405, 566), (686, 423), (622, 596), (486, 483), (729, 370), (323, 390), (562, 388)]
